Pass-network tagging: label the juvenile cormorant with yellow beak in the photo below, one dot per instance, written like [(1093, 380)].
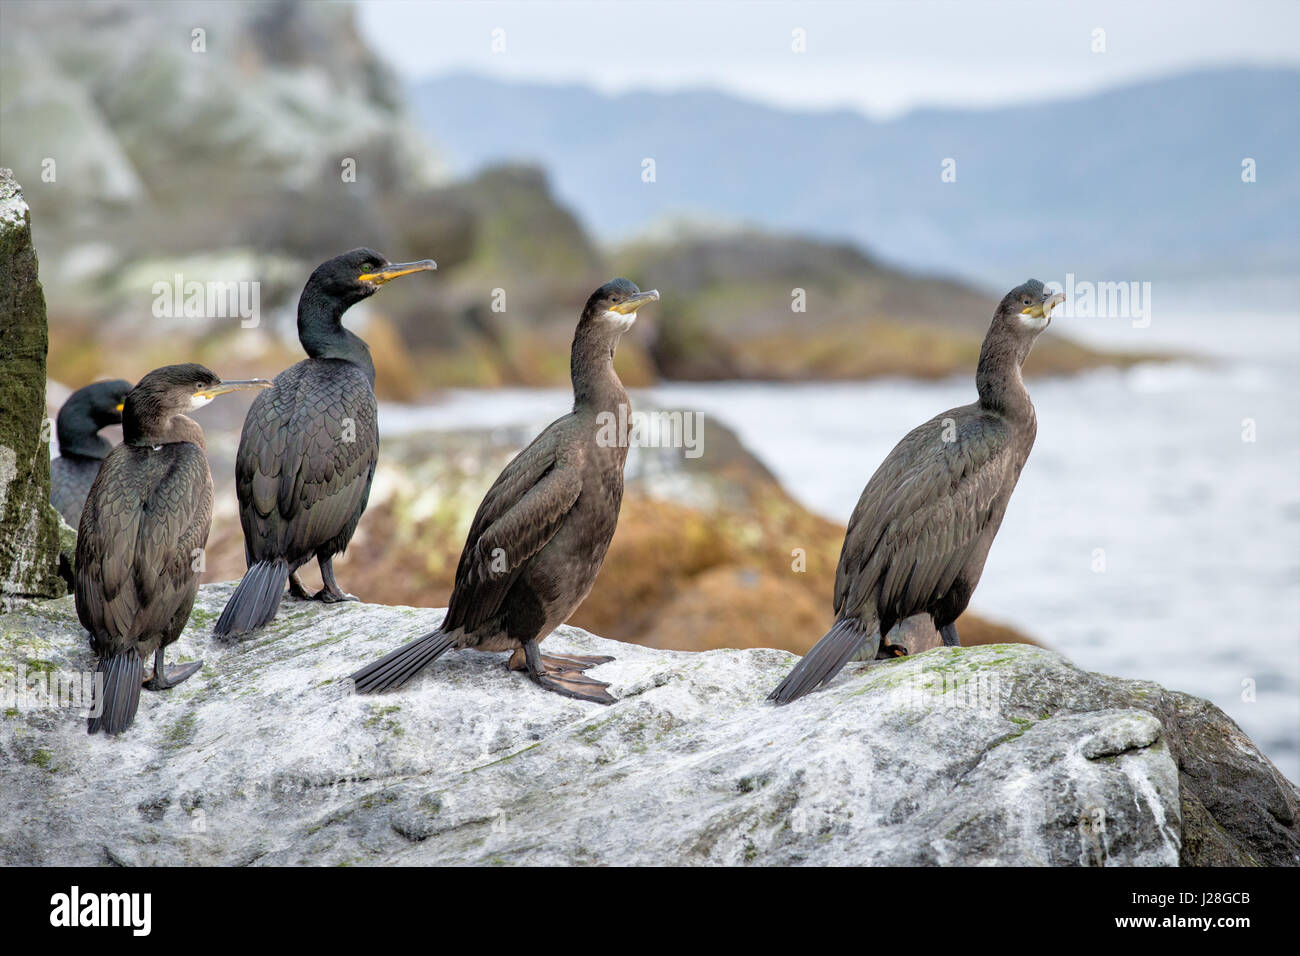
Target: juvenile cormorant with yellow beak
[(541, 532), (141, 535), (921, 531)]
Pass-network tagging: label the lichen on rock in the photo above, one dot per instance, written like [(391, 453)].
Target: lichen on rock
[(1003, 754)]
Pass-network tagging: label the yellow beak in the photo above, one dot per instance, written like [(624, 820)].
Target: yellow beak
[(232, 386), (634, 302), (397, 270), (1044, 308)]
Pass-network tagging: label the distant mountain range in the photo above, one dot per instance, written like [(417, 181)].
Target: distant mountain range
[(1134, 183)]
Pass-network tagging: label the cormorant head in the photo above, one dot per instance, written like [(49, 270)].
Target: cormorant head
[(1029, 306), (86, 411), (356, 275), (170, 391), (99, 404), (616, 303)]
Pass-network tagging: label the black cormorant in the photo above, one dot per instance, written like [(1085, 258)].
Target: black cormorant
[(540, 535), (922, 529), (142, 530), (81, 447), (309, 446)]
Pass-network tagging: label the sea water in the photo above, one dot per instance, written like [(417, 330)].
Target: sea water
[(1155, 531)]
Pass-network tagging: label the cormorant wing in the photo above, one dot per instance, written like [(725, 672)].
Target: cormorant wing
[(146, 518), (306, 459), (520, 513), (921, 517)]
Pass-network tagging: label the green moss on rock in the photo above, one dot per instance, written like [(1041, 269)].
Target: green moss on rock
[(29, 527)]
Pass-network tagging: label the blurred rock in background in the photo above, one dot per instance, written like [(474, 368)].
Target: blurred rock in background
[(247, 142)]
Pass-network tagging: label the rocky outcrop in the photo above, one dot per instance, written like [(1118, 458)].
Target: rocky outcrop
[(752, 305), (29, 527), (989, 755), (274, 125)]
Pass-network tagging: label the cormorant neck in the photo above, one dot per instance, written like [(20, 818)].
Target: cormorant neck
[(80, 438), (164, 431), (1001, 387), (591, 366), (321, 331)]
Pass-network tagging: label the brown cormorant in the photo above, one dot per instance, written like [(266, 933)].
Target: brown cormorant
[(144, 524), (922, 529), (81, 447), (309, 446), (540, 535)]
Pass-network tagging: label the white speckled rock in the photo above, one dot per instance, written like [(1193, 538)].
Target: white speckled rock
[(1003, 754)]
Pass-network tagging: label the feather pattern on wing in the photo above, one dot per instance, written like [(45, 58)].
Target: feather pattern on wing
[(520, 513), (145, 521), (925, 515), (306, 461)]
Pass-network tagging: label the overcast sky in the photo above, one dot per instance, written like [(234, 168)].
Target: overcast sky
[(881, 58)]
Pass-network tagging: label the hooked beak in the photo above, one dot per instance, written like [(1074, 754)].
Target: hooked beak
[(1044, 309), (207, 394), (633, 302), (396, 270)]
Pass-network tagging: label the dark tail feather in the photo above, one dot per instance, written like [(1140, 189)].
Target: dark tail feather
[(122, 676), (824, 661), (395, 669), (255, 600)]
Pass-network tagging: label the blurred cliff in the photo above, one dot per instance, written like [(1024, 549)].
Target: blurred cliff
[(216, 142)]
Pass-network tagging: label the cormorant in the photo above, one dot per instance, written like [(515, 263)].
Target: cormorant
[(541, 532), (145, 521), (81, 447), (309, 446), (922, 529)]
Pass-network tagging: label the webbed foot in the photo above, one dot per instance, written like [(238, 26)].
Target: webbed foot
[(562, 674), (165, 678)]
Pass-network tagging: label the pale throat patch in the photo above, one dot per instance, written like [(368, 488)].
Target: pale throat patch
[(1035, 322), (198, 401), (619, 320)]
